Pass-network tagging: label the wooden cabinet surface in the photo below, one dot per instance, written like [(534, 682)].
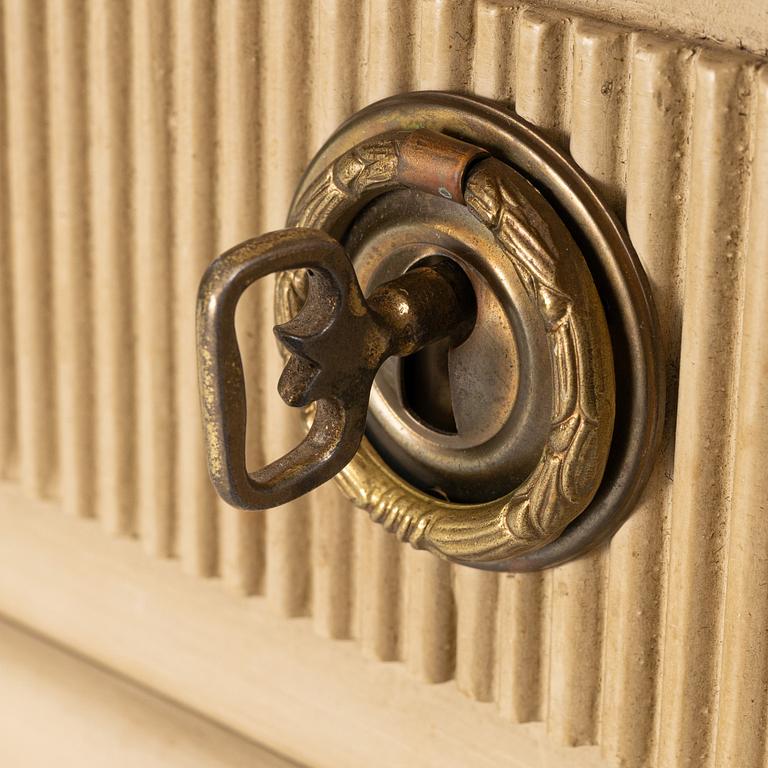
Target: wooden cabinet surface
[(142, 138)]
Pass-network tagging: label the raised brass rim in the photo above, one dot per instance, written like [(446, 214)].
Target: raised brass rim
[(615, 269)]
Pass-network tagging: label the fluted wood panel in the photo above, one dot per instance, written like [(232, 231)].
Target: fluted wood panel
[(193, 241), (28, 227), (140, 139), (7, 378)]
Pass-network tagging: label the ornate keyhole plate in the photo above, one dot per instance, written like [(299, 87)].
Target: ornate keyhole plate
[(442, 226), (549, 456)]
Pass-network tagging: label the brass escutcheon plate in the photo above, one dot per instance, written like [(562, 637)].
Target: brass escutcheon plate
[(385, 487)]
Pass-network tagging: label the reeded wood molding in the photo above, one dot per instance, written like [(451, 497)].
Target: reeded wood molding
[(710, 20), (618, 648)]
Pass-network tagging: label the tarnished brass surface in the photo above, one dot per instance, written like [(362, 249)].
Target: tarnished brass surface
[(467, 423), (570, 467), (331, 440), (510, 460), (616, 270), (337, 342)]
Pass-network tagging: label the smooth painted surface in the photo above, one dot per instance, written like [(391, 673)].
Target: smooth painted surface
[(232, 659), (59, 709)]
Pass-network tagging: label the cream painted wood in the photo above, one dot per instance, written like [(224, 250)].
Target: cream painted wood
[(110, 228), (232, 659), (141, 138), (192, 182), (57, 709), (732, 23)]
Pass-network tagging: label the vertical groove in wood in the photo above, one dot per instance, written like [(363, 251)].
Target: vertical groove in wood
[(110, 250), (476, 609), (287, 31), (391, 49), (192, 45), (285, 142), (339, 49), (521, 646), (239, 115), (379, 586), (598, 98), (25, 72), (152, 206), (543, 89), (8, 407), (743, 711), (701, 500), (360, 559), (339, 73), (333, 544), (67, 142), (656, 174), (576, 650), (430, 632), (445, 40), (494, 65)]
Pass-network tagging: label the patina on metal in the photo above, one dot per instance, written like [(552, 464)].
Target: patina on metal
[(494, 446), (436, 164), (337, 343), (564, 314), (623, 288)]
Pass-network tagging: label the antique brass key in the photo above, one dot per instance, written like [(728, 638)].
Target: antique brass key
[(337, 341)]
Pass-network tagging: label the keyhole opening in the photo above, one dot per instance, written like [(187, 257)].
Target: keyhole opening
[(426, 387), (425, 381)]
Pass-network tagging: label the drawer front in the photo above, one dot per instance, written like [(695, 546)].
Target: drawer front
[(143, 138)]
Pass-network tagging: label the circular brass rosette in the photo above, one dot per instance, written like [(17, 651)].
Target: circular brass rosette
[(562, 466)]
